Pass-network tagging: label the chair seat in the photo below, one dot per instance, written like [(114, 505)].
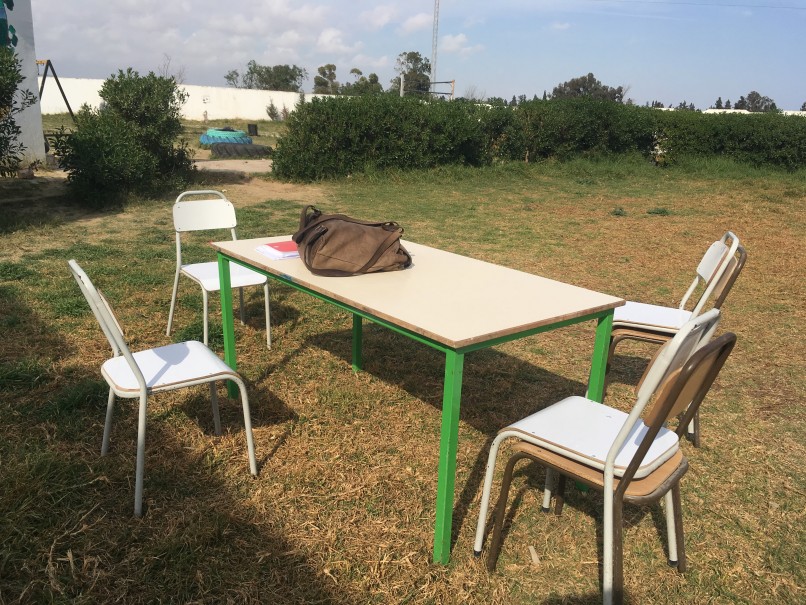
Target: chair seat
[(585, 430), (165, 368), (654, 317), (638, 489), (206, 275)]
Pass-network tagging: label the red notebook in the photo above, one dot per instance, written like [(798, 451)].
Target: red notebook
[(288, 246), (279, 250)]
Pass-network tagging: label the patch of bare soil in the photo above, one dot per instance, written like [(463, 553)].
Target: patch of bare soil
[(257, 190)]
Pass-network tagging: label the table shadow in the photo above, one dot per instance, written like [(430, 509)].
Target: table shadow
[(524, 388)]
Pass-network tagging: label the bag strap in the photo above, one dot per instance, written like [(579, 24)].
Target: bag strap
[(309, 221)]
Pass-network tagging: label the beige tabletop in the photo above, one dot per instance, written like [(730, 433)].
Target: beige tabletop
[(453, 299)]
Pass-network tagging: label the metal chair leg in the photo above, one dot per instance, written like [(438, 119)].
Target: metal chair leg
[(247, 421), (560, 497), (205, 320), (110, 408), (500, 512), (214, 404), (550, 477), (678, 524), (141, 457), (173, 303), (671, 528)]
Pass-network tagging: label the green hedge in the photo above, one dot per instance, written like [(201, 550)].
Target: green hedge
[(568, 128), (760, 139), (337, 136)]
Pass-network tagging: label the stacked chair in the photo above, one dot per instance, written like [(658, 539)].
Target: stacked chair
[(713, 280), (631, 457)]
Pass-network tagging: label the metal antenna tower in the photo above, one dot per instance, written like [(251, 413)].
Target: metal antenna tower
[(434, 48)]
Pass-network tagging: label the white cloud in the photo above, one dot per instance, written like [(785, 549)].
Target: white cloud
[(560, 26), (371, 62), (379, 16), (458, 45), (418, 22), (331, 40)]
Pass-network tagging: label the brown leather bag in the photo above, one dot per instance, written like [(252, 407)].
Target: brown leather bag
[(336, 245)]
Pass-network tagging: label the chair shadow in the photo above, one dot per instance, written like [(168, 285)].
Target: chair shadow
[(535, 481), (208, 178), (627, 369)]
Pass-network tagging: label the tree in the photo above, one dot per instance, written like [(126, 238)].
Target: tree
[(803, 107), (718, 104), (685, 106), (166, 70), (325, 82), (363, 85), (472, 93), (758, 103), (741, 103), (416, 72), (130, 145), (12, 102), (588, 86), (727, 104), (287, 78), (656, 104)]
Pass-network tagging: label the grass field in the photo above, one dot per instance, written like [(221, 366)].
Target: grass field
[(343, 508)]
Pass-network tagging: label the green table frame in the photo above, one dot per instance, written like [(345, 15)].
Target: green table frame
[(452, 389)]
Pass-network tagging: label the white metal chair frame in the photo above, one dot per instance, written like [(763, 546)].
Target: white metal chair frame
[(205, 215), (716, 272), (710, 270), (677, 351), (183, 365)]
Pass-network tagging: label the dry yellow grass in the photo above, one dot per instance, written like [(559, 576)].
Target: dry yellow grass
[(343, 509)]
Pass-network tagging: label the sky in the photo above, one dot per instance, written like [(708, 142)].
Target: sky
[(659, 50)]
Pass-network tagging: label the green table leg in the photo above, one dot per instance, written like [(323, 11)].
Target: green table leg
[(599, 363), (448, 442), (227, 321), (358, 356)]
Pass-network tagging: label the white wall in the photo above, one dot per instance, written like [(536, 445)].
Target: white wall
[(219, 103), (30, 120)]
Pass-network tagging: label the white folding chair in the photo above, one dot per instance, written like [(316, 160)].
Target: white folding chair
[(204, 215), (714, 278), (720, 256), (609, 449), (138, 375)]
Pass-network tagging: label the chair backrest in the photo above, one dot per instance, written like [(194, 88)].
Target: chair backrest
[(674, 353), (682, 393), (202, 215), (106, 319), (724, 285), (711, 269), (672, 356), (205, 214), (684, 389)]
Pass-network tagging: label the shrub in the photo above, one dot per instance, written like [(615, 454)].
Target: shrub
[(131, 144), (105, 159), (337, 136), (12, 102), (758, 139)]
